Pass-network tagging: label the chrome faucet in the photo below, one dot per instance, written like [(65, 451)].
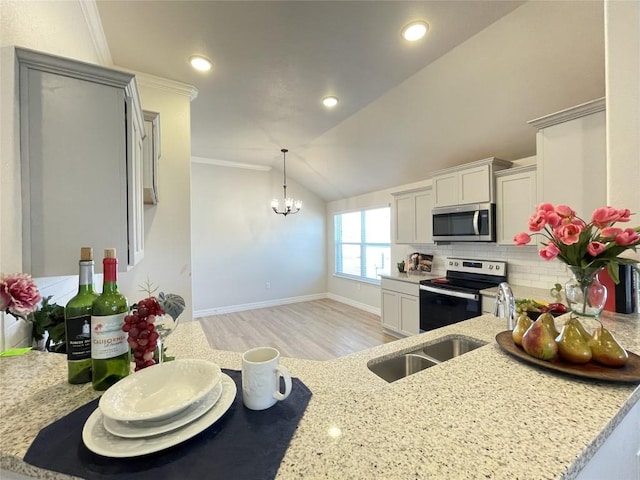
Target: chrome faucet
[(505, 298)]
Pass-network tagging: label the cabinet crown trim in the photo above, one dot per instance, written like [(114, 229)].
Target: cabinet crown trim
[(515, 170), (496, 163), (412, 190), (571, 113)]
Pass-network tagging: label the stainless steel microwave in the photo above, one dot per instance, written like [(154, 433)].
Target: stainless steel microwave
[(465, 223)]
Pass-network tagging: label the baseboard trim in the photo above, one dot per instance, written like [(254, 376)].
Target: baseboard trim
[(284, 301), (252, 306), (353, 303)]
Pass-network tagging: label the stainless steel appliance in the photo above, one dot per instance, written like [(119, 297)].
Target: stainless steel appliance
[(456, 297), (465, 223)]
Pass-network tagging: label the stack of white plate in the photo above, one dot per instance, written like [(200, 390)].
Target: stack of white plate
[(158, 407)]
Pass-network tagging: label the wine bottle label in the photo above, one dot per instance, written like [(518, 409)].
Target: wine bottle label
[(79, 338), (107, 338)]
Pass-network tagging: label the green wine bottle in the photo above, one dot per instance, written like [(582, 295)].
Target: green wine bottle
[(77, 322), (109, 345)]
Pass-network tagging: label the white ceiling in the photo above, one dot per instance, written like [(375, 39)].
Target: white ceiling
[(464, 93)]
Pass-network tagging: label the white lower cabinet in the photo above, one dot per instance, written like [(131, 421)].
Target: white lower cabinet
[(400, 307)]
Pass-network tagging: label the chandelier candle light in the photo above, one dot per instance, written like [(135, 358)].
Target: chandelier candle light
[(291, 206)]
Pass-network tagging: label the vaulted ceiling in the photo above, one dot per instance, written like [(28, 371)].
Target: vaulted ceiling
[(461, 94)]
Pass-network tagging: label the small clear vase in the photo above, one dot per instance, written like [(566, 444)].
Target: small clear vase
[(585, 294)]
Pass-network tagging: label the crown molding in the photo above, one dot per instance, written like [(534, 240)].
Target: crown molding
[(151, 81), (225, 163), (92, 17), (567, 114)]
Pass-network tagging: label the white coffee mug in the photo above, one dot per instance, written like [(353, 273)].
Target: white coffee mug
[(261, 373)]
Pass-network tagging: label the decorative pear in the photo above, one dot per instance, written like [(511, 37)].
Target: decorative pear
[(606, 350), (572, 346), (538, 341), (522, 325), (548, 320), (586, 335)]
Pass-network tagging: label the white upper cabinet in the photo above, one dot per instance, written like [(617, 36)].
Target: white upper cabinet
[(571, 157), (81, 147), (515, 201), (466, 184), (412, 216)]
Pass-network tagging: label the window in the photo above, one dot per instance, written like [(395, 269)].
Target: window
[(363, 243)]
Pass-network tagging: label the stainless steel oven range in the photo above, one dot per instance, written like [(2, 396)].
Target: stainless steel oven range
[(456, 297)]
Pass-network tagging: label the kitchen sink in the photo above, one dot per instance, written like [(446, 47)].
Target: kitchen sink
[(402, 366), (408, 363)]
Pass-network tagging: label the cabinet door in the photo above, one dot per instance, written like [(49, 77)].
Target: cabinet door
[(409, 315), (572, 163), (423, 202), (404, 218), (73, 151), (516, 200), (474, 186), (446, 189), (390, 308)]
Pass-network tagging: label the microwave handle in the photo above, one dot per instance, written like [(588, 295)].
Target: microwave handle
[(476, 218)]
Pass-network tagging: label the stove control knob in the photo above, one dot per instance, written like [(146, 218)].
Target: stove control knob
[(450, 262), (491, 267), (497, 267), (456, 264)]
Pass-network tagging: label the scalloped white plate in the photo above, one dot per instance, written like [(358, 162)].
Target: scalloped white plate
[(99, 441), (149, 428), (160, 391)]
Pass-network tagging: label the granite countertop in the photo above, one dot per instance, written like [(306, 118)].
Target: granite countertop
[(410, 277), (483, 412), (520, 291)]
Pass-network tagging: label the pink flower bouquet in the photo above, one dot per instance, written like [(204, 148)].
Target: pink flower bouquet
[(588, 246), (19, 296)]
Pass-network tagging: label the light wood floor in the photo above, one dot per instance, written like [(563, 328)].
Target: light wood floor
[(316, 330)]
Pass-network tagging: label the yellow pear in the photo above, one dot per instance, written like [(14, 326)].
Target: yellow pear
[(539, 342), (606, 350), (572, 346), (548, 320), (586, 335), (522, 325)]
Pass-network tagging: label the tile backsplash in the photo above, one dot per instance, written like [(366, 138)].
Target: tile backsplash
[(524, 266)]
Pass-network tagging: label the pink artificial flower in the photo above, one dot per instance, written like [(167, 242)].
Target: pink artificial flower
[(537, 221), (522, 239), (595, 248), (604, 216), (18, 294), (545, 207), (554, 220), (628, 237), (610, 232), (549, 252), (565, 211), (625, 215), (568, 234)]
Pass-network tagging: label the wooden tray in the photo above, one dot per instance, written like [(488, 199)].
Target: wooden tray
[(629, 373)]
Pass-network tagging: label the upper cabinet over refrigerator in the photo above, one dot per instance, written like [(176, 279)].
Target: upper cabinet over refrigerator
[(81, 134)]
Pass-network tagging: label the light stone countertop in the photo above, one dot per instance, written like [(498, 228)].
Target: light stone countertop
[(520, 291), (411, 277), (483, 414)]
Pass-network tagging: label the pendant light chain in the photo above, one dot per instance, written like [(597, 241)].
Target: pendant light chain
[(291, 206)]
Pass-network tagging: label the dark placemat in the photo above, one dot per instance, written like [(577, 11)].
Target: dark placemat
[(243, 445)]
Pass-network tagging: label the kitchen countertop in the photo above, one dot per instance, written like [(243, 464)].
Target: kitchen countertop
[(483, 414), (520, 291), (410, 277)]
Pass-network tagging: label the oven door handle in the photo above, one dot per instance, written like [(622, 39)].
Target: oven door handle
[(476, 222), (450, 293)]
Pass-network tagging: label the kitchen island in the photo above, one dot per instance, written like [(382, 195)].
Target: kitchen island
[(483, 414)]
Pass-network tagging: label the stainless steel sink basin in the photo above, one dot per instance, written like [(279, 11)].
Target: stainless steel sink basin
[(451, 348), (408, 363), (399, 367)]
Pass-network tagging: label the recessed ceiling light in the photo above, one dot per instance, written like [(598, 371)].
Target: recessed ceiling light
[(200, 63), (330, 101), (415, 30)]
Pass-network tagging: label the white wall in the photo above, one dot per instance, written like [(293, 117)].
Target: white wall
[(54, 27), (167, 249), (239, 245)]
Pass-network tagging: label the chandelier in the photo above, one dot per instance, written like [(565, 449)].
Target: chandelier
[(291, 206)]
